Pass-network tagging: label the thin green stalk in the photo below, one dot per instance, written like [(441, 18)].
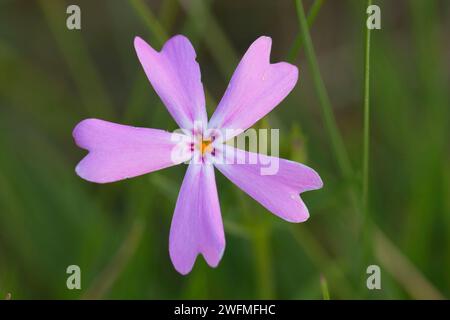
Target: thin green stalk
[(365, 177), (377, 235), (337, 143), (330, 268), (406, 273), (260, 234), (263, 261), (102, 285), (324, 288), (431, 129), (82, 68), (214, 37), (298, 42), (168, 13), (150, 20), (324, 100), (365, 227)]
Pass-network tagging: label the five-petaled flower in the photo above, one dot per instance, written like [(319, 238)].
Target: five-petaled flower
[(118, 152)]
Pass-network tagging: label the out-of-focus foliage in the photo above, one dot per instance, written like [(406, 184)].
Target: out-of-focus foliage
[(51, 78)]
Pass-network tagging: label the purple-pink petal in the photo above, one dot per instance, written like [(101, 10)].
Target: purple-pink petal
[(175, 75), (197, 222), (278, 192), (257, 86), (118, 151)]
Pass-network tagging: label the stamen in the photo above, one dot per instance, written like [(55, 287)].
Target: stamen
[(206, 146)]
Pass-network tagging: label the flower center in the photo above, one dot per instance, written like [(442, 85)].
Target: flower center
[(206, 146)]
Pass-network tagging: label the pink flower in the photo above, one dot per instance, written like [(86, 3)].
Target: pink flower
[(119, 152)]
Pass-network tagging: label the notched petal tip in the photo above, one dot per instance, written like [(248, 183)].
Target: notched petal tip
[(301, 214), (213, 262), (137, 39), (279, 193), (290, 73), (178, 37), (82, 174), (317, 182), (261, 46), (79, 131), (197, 223), (138, 42), (300, 219), (182, 270), (175, 76), (294, 70), (142, 48), (118, 152), (264, 39), (85, 174), (289, 69), (183, 265), (256, 87)]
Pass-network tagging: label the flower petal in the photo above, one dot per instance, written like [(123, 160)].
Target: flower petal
[(255, 88), (175, 75), (273, 182), (197, 222), (118, 151)]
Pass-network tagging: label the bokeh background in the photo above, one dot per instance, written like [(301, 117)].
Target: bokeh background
[(52, 77)]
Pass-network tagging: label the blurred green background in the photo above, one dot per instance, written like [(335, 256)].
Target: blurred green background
[(52, 77)]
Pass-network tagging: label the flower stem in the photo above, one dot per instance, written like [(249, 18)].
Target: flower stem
[(377, 236), (150, 20), (324, 288), (81, 66), (102, 285), (366, 139), (261, 243), (324, 100), (298, 42)]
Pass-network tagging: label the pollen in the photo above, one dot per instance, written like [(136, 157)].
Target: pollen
[(206, 146)]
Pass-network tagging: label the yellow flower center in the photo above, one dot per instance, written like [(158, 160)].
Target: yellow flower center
[(206, 146)]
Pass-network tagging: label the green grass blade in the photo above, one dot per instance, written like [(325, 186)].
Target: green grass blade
[(324, 100), (216, 40), (298, 42), (150, 20), (115, 267), (324, 288), (366, 138), (81, 66)]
